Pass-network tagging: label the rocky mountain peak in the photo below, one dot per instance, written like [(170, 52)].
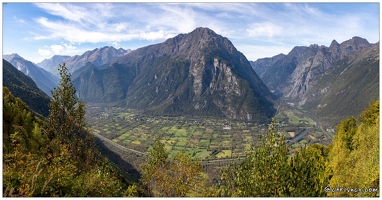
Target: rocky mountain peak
[(12, 56), (59, 57), (198, 73), (360, 41), (354, 44), (43, 79), (334, 45), (98, 57), (193, 45), (107, 47), (203, 32)]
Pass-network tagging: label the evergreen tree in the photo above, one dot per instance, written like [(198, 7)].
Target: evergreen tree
[(67, 119), (67, 163)]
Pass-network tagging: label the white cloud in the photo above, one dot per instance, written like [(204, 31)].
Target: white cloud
[(74, 34), (115, 44), (81, 13), (258, 24), (44, 52), (56, 48), (21, 21), (183, 18), (267, 29), (120, 27), (69, 46), (152, 36), (72, 13)]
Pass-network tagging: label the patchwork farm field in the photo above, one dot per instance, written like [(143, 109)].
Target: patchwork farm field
[(202, 138)]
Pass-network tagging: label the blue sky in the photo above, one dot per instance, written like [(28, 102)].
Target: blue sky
[(37, 31)]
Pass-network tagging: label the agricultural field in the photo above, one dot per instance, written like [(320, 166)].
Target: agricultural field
[(294, 117), (202, 138)]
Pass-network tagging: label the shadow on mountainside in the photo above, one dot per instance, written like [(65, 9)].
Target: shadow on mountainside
[(127, 163)]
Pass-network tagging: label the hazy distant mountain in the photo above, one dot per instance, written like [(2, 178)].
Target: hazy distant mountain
[(25, 88), (97, 56), (51, 65), (334, 82), (43, 79), (199, 73)]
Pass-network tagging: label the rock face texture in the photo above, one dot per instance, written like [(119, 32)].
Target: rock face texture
[(315, 76), (199, 73)]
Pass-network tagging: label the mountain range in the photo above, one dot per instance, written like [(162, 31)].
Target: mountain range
[(51, 65), (98, 57), (43, 79), (332, 82), (200, 73), (23, 87)]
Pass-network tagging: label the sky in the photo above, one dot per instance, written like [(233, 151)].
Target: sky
[(37, 31)]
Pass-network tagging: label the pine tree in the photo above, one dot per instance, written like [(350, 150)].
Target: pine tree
[(67, 118), (67, 113), (67, 163)]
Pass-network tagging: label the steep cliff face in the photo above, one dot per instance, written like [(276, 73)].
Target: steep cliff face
[(296, 73), (308, 74), (199, 73)]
